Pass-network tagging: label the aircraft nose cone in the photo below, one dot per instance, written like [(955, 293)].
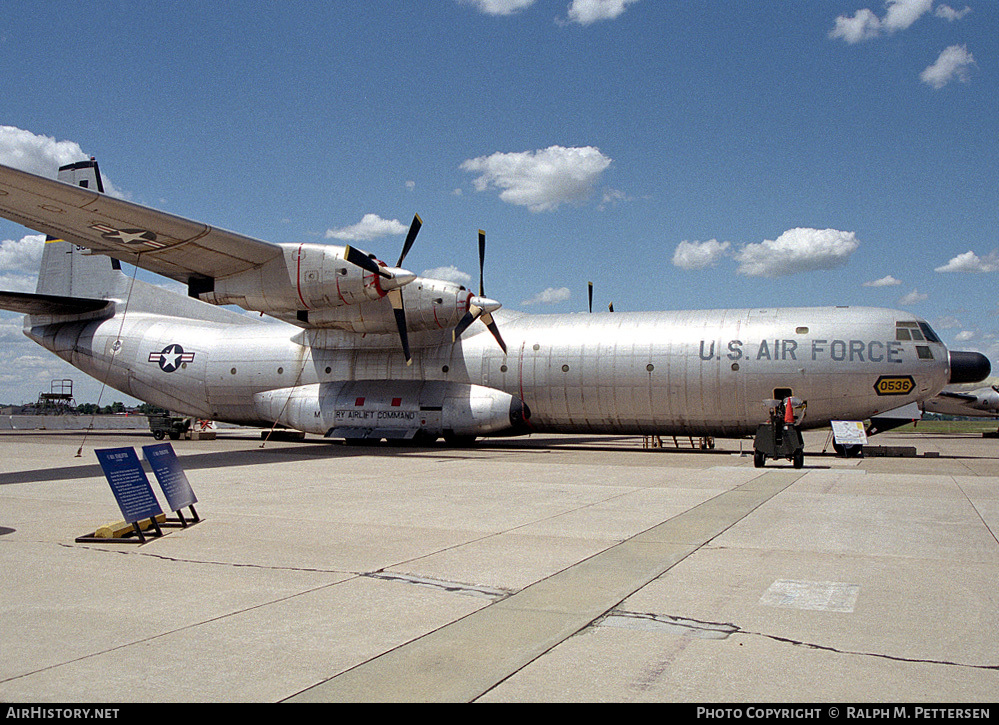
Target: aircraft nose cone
[(968, 367)]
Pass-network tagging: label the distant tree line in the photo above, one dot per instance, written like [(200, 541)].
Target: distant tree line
[(117, 407)]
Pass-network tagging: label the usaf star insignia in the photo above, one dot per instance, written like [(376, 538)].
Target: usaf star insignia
[(171, 357), (131, 237)]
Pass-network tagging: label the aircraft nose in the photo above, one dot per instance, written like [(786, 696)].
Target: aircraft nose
[(968, 367)]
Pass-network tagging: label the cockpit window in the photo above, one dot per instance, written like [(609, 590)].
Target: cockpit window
[(919, 331), (928, 332)]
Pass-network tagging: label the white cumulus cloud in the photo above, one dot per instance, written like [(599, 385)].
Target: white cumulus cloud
[(886, 281), (912, 298), (500, 7), (41, 155), (699, 255), (795, 251), (21, 255), (19, 262), (549, 296), (971, 262), (953, 63), (585, 12), (903, 13), (18, 282), (370, 227), (865, 24), (448, 274), (950, 14), (541, 180)]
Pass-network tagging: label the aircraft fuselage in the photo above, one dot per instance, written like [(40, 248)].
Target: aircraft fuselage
[(691, 372)]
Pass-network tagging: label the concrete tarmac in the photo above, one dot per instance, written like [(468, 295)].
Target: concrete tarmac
[(548, 568)]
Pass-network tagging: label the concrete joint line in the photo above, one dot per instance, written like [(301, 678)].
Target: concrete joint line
[(465, 659)]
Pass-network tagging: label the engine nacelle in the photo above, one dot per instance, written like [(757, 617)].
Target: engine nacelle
[(304, 277), (395, 409), (314, 283)]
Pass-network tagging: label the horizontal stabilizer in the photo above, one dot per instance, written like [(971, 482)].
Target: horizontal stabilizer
[(35, 304)]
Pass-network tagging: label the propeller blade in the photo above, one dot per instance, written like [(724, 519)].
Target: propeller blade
[(360, 259), (471, 316), (491, 326), (414, 229), (482, 262), (395, 297), (590, 284)]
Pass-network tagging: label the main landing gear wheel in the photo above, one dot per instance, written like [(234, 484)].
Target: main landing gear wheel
[(759, 459)]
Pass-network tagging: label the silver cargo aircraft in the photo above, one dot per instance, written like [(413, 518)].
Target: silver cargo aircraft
[(367, 351)]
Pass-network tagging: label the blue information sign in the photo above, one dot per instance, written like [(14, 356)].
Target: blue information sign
[(170, 475), (128, 481)]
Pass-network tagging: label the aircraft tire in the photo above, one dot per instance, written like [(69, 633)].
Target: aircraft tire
[(759, 459), (798, 459)]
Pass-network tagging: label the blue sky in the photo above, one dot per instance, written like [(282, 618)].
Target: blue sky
[(696, 154)]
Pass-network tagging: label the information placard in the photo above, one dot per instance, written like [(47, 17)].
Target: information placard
[(172, 479), (128, 482), (849, 432)]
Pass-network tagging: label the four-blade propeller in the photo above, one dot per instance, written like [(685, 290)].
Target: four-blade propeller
[(393, 279), (480, 306)]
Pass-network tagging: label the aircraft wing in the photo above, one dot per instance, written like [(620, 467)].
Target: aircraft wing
[(169, 245), (957, 396)]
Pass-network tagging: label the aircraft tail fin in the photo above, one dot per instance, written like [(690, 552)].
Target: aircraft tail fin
[(82, 173), (74, 281), (68, 270)]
